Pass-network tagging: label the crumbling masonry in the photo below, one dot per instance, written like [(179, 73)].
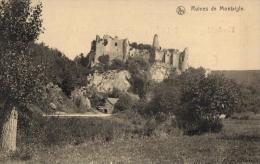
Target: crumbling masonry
[(121, 49)]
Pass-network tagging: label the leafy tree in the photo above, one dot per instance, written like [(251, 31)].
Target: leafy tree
[(104, 63), (196, 100), (140, 76), (165, 101), (204, 99), (251, 99), (20, 82), (59, 69), (124, 103), (67, 84), (117, 64), (82, 60)]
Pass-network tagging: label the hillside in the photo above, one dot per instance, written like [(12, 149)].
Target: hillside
[(242, 76)]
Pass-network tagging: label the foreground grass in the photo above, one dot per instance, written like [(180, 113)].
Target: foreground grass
[(238, 142)]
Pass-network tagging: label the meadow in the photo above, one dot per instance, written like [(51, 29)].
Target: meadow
[(118, 140)]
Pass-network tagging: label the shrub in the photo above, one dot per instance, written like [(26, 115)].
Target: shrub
[(117, 64), (68, 85), (204, 99), (251, 99), (140, 76), (104, 63), (165, 101), (135, 64), (141, 46), (104, 59), (125, 102), (197, 101), (116, 93)]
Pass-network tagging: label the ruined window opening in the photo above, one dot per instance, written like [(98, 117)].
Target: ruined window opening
[(115, 44), (105, 42)]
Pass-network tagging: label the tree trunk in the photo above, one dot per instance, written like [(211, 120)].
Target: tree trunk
[(9, 129)]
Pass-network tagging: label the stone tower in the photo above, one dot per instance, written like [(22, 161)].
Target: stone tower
[(125, 49), (184, 60), (156, 42)]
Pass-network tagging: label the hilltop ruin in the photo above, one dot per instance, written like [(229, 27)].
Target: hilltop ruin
[(122, 49)]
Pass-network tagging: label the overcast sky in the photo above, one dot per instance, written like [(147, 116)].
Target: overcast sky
[(216, 40)]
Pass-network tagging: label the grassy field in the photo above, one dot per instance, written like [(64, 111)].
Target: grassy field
[(238, 142)]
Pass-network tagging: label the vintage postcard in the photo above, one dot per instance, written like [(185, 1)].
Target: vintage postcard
[(129, 81)]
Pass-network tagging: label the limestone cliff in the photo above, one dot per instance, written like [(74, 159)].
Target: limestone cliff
[(80, 98), (105, 82), (159, 72), (57, 100)]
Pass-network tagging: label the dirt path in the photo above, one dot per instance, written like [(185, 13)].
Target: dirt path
[(78, 115)]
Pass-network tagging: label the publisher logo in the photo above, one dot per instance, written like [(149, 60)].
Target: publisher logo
[(181, 10)]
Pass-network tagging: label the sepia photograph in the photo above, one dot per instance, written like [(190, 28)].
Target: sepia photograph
[(129, 81)]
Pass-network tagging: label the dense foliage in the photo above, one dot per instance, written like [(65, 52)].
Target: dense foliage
[(196, 100), (140, 76), (141, 46), (20, 25), (205, 99), (125, 103), (59, 69), (117, 64)]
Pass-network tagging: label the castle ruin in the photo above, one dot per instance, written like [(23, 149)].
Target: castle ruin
[(121, 49)]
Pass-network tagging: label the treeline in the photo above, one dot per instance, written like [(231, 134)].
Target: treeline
[(59, 69)]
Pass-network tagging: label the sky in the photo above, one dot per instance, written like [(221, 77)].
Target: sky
[(223, 40)]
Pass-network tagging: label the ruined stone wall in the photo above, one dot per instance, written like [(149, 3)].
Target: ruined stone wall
[(175, 59), (146, 54), (158, 56), (114, 47), (183, 60), (172, 57), (120, 49)]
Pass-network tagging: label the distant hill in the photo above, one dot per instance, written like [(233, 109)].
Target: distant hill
[(242, 76)]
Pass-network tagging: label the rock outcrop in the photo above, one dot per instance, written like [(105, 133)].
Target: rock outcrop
[(80, 98), (159, 72), (107, 81), (57, 100)]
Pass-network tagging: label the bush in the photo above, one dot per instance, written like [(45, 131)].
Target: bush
[(116, 93), (104, 64), (96, 98), (68, 85), (124, 103), (104, 59), (165, 101), (251, 99), (117, 64), (44, 131), (140, 76), (204, 99), (197, 101)]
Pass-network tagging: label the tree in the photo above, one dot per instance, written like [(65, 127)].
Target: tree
[(124, 103), (67, 84), (140, 76), (82, 60), (104, 63), (204, 99), (196, 100), (117, 64), (166, 100), (20, 79)]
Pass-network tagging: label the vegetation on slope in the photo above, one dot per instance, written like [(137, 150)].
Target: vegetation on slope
[(59, 69)]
